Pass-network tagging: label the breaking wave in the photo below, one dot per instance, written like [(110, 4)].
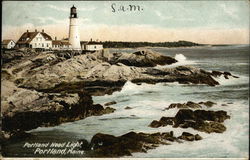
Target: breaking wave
[(182, 60)]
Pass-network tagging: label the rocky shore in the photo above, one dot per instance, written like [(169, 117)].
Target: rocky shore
[(52, 87), (189, 114), (98, 73), (24, 109), (105, 145), (193, 115)]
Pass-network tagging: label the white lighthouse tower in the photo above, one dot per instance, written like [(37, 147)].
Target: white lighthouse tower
[(74, 37)]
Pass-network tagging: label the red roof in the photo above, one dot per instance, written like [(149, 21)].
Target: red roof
[(65, 42), (27, 37), (58, 42)]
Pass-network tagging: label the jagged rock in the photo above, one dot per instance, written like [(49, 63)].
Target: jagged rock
[(176, 105), (24, 109), (155, 124), (96, 88), (190, 104), (203, 115), (128, 107), (225, 74), (105, 145), (208, 103), (190, 137), (110, 103), (164, 121), (201, 120), (197, 137), (143, 58), (187, 136), (84, 144), (216, 73)]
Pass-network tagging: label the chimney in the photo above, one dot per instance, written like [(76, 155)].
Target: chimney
[(43, 30), (27, 30), (55, 38), (91, 40), (35, 30)]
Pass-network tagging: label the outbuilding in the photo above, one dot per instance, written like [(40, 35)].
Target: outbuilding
[(8, 44), (91, 46)]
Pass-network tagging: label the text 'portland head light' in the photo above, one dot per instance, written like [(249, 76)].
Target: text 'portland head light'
[(74, 37)]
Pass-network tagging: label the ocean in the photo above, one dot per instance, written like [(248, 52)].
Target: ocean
[(148, 101)]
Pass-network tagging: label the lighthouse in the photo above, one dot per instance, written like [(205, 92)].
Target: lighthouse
[(74, 37)]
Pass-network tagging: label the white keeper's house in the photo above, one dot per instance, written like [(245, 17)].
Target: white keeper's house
[(35, 40)]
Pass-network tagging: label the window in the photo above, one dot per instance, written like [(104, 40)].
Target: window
[(95, 47), (42, 45), (47, 44)]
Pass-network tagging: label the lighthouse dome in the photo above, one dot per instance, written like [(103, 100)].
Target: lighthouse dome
[(73, 13)]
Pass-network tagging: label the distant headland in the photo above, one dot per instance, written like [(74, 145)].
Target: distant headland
[(122, 44)]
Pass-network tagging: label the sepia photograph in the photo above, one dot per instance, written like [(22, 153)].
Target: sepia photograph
[(125, 79)]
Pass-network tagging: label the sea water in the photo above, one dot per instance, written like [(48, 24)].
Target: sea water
[(149, 101)]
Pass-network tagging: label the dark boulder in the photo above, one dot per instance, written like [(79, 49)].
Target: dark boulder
[(128, 107), (110, 103), (164, 121), (190, 137), (155, 124), (103, 140), (191, 104), (208, 103), (84, 144), (104, 145), (187, 136), (167, 121), (225, 74), (216, 73), (197, 137), (202, 120)]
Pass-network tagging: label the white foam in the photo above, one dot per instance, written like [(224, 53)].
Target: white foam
[(213, 145), (180, 57), (181, 60), (232, 81)]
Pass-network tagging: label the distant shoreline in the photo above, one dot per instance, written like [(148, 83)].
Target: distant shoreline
[(149, 47), (121, 44), (200, 46)]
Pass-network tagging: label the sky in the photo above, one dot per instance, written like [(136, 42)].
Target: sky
[(207, 22)]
